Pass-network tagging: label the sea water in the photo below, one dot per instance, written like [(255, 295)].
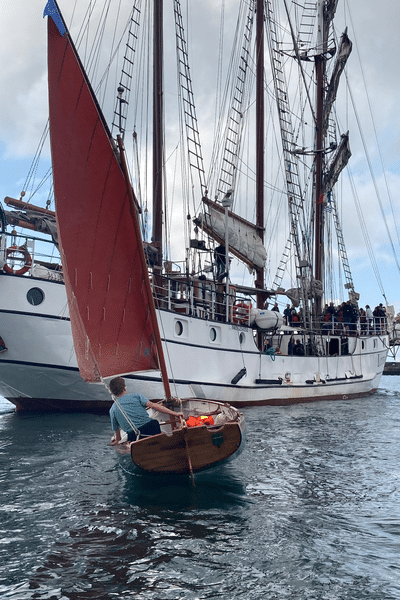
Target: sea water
[(310, 510)]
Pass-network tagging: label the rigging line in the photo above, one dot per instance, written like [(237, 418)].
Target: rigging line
[(296, 50), (365, 233), (124, 414), (293, 182), (72, 15), (187, 103), (37, 155), (239, 89), (85, 26), (94, 54), (170, 211), (376, 134), (222, 94), (383, 339), (94, 59), (224, 107), (247, 169), (167, 356), (185, 168), (371, 171), (82, 23), (140, 107), (83, 32), (218, 94), (135, 169), (112, 57), (114, 39), (47, 176)]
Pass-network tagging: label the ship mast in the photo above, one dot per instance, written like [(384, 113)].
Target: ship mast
[(260, 139), (319, 153), (158, 128)]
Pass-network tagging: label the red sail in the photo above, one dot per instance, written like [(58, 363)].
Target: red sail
[(100, 249)]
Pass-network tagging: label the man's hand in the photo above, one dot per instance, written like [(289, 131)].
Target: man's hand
[(116, 438)]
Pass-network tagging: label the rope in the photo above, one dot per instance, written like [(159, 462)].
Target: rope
[(135, 429)]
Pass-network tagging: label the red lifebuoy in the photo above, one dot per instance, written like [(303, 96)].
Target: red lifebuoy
[(241, 312), (27, 260)]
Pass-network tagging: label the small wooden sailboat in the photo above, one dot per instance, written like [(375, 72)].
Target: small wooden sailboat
[(113, 316), (194, 446)]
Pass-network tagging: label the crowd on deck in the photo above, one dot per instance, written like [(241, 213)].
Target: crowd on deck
[(344, 318), (347, 316)]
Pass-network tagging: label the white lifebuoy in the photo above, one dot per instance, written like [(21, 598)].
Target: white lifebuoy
[(241, 312), (27, 260)]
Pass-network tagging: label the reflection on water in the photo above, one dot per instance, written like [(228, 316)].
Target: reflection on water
[(309, 511), (221, 489), (145, 546)]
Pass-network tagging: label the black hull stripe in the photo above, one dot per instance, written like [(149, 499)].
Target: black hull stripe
[(155, 379), (31, 314)]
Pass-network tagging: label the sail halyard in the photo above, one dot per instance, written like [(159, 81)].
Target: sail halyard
[(108, 298)]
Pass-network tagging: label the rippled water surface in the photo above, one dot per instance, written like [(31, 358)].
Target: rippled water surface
[(310, 510)]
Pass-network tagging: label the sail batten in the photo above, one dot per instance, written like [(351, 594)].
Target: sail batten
[(94, 212)]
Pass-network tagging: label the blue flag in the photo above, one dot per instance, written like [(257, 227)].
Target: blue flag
[(52, 11)]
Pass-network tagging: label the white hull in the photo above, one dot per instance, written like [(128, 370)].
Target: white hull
[(39, 370)]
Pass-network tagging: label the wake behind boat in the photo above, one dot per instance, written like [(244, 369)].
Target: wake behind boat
[(221, 340)]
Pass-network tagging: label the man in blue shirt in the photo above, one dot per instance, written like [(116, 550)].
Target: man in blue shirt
[(134, 410)]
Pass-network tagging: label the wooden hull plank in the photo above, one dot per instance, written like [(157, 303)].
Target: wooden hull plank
[(168, 453)]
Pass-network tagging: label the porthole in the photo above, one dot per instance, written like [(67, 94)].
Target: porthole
[(241, 338), (213, 334), (178, 328), (35, 296)]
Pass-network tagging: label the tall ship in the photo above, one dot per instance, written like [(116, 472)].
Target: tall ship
[(230, 330)]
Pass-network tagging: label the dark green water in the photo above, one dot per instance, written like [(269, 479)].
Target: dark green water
[(310, 510)]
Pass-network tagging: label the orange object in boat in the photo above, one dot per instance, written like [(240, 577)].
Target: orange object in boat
[(198, 421)]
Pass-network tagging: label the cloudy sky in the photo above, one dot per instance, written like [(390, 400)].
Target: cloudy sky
[(374, 29)]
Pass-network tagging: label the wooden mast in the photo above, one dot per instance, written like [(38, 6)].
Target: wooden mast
[(158, 129), (259, 283), (319, 143), (142, 256)]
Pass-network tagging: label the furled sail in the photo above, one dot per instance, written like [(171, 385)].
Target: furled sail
[(99, 245), (31, 217), (343, 54), (329, 11), (338, 163), (244, 241)]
